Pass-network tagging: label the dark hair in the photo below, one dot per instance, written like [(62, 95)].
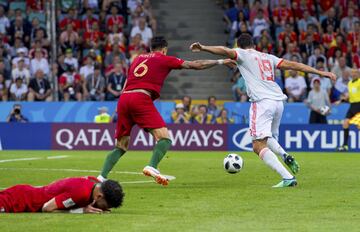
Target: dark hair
[(245, 41), (158, 43), (211, 97), (113, 193)]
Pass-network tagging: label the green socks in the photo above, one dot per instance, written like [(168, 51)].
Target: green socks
[(160, 149), (111, 160)]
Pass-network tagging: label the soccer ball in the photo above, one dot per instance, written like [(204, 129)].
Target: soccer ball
[(324, 110), (233, 163)]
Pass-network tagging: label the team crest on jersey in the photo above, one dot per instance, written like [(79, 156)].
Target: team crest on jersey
[(68, 203)]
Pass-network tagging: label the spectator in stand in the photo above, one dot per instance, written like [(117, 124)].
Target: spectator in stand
[(19, 29), (351, 57), (145, 31), (18, 90), (21, 72), (40, 35), (3, 89), (347, 23), (259, 24), (212, 108), (318, 99), (39, 88), (288, 31), (116, 83), (292, 51), (35, 25), (115, 19), (258, 5), (295, 86), (231, 14), (70, 59), (340, 88), (341, 67), (312, 32), (308, 48), (338, 44), (90, 4), (116, 52), (325, 83), (67, 5), (239, 88), (203, 117), (354, 36), (179, 116), (334, 60), (235, 29), (21, 55), (136, 47), (331, 19), (116, 34), (223, 118), (316, 55), (307, 20), (88, 20), (5, 73), (70, 85), (36, 46), (69, 38), (95, 85), (186, 101), (71, 19), (264, 44), (39, 62), (16, 115), (88, 68), (4, 21), (93, 38), (282, 14), (329, 38)]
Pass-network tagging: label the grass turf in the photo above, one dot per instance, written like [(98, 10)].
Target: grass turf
[(202, 198)]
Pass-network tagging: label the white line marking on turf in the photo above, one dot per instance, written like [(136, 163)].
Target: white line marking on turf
[(57, 157), (33, 158), (19, 159), (69, 170)]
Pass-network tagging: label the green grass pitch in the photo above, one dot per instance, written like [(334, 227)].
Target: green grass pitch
[(202, 198)]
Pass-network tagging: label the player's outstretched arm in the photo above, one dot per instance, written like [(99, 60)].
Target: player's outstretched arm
[(218, 50), (51, 207), (286, 64), (205, 64)]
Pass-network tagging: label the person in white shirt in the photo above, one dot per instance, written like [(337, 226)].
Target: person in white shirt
[(88, 68), (347, 23), (21, 72), (4, 21), (295, 86), (266, 99), (70, 60), (145, 31), (18, 90), (39, 62), (259, 24), (21, 54)]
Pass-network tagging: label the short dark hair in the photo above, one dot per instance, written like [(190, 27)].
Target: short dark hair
[(245, 41), (211, 97), (158, 42), (113, 193)]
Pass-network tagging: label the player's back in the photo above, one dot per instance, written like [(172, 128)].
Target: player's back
[(149, 71), (258, 71)]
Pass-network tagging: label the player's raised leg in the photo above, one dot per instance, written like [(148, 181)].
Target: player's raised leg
[(163, 144), (273, 143)]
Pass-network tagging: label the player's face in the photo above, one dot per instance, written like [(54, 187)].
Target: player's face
[(101, 203)]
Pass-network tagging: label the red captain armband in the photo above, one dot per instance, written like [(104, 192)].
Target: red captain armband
[(277, 66)]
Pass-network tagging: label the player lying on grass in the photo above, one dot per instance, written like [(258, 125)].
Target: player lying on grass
[(146, 77), (266, 100), (72, 195), (352, 115)]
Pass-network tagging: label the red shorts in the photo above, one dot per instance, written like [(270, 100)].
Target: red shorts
[(139, 109)]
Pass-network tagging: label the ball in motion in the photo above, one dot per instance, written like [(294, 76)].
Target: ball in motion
[(233, 163)]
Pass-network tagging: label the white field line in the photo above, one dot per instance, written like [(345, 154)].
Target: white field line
[(33, 158), (68, 170)]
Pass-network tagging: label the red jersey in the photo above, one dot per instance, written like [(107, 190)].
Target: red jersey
[(149, 71), (68, 193)]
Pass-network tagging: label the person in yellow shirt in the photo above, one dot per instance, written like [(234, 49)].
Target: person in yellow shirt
[(103, 116), (223, 118), (203, 117), (179, 116), (354, 99)]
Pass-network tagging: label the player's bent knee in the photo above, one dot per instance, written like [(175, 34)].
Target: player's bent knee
[(123, 143), (259, 144)]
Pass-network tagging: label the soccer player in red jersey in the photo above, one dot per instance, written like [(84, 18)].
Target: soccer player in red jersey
[(135, 106), (73, 195)]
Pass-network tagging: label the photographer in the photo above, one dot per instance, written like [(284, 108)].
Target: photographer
[(15, 115), (70, 84), (39, 88), (95, 85)]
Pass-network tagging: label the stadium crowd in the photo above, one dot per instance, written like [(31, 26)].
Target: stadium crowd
[(97, 40)]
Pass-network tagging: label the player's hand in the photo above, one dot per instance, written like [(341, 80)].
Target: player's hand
[(91, 209), (230, 63), (196, 47), (329, 75)]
